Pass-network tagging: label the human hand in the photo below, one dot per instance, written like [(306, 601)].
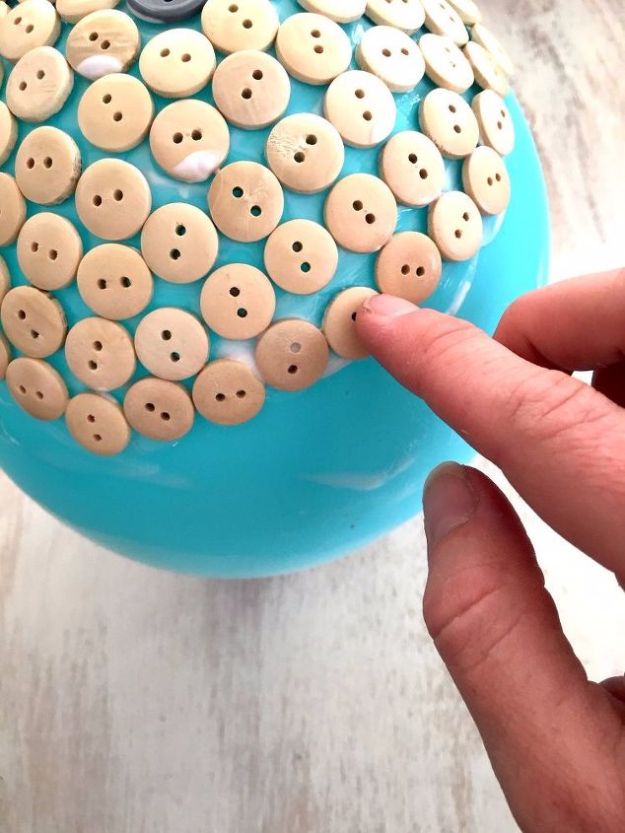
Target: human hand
[(556, 740)]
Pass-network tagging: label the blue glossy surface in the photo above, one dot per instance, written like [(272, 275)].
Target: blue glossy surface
[(318, 472)]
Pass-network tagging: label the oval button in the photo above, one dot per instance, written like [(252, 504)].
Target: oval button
[(100, 353), (301, 257), (37, 388), (409, 266), (413, 168), (485, 179), (113, 199), (245, 201), (114, 281), (245, 24), (39, 85), (449, 122), (480, 34), (305, 152), (361, 213), (103, 42), (455, 225), (339, 322), (313, 48), (177, 63), (179, 243), (442, 19), (361, 107), (488, 73), (251, 89), (47, 166), (238, 301), (446, 64), (115, 112), (495, 121), (171, 344), (159, 410), (97, 423), (228, 393), (33, 321), (49, 249)]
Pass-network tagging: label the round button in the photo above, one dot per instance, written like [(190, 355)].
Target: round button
[(177, 63), (49, 249), (446, 64), (480, 34), (449, 122), (12, 209), (407, 15), (301, 257), (313, 48), (238, 301), (361, 107), (179, 243), (165, 10), (5, 278), (245, 24), (339, 322), (103, 42), (246, 201), (391, 55), (189, 139), (33, 321), (97, 423), (113, 199), (409, 267), (292, 354), (159, 410), (171, 344), (100, 353), (5, 356), (114, 281), (442, 19), (115, 112), (485, 179), (74, 10), (345, 12), (468, 10), (495, 121), (31, 24), (361, 213), (251, 89), (305, 152), (47, 166), (8, 132), (228, 393), (39, 84), (488, 73), (455, 225), (37, 387), (413, 168)]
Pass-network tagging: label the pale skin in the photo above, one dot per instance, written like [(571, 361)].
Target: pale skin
[(556, 741)]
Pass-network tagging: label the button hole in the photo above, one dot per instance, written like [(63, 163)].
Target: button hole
[(118, 195), (241, 394), (53, 254), (101, 283), (420, 271), (305, 267), (256, 210), (166, 335), (257, 75), (90, 418), (370, 219), (177, 138), (175, 357), (359, 93), (297, 246), (242, 312), (295, 347), (97, 200), (247, 24), (220, 397), (405, 269), (246, 93), (237, 192), (181, 230), (292, 369), (367, 115), (97, 345), (165, 53), (185, 58), (105, 45), (165, 416), (34, 334), (126, 282), (235, 291), (299, 156), (357, 205), (92, 365), (196, 135), (106, 99), (174, 254), (319, 49)]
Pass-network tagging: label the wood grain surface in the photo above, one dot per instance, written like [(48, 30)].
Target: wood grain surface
[(134, 701)]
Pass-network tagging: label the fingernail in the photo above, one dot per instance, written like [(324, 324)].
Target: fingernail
[(388, 306), (448, 501)]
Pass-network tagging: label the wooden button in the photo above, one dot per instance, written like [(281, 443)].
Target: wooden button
[(171, 344), (305, 152), (361, 107), (442, 19), (166, 11), (449, 122), (485, 179), (158, 409), (487, 71), (313, 48), (177, 63), (495, 122), (103, 42), (409, 266), (179, 243), (8, 132), (244, 24), (238, 301), (97, 423), (113, 199), (413, 168), (33, 321), (391, 55), (100, 353), (12, 209), (468, 11), (446, 64), (251, 89), (301, 257), (114, 281), (115, 112), (407, 15), (39, 84), (346, 11), (339, 322), (31, 24), (480, 34), (5, 356), (74, 10), (47, 166), (189, 139), (49, 249), (228, 393), (5, 278), (292, 354), (37, 387), (455, 225), (246, 201), (361, 213)]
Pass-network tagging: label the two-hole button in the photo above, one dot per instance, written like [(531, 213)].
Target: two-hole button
[(113, 199), (445, 63), (228, 392), (339, 322), (49, 249), (115, 112), (28, 25), (232, 25), (100, 353), (177, 63), (361, 107), (305, 152), (292, 354), (159, 409), (442, 19), (361, 213), (301, 257), (47, 166), (455, 225), (97, 423), (238, 301), (409, 266), (251, 89), (246, 201), (413, 168), (449, 122), (486, 180), (495, 121), (171, 343), (313, 48), (33, 321), (179, 243), (39, 84), (103, 42), (488, 74), (114, 281), (37, 388), (393, 56)]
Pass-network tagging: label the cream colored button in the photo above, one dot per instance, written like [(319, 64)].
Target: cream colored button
[(189, 139), (251, 89), (47, 166), (361, 213), (480, 34), (5, 278), (339, 322), (347, 11), (179, 243), (114, 281), (238, 301), (97, 423), (171, 343), (49, 249), (301, 257), (313, 48), (445, 63), (4, 10), (74, 10), (103, 42), (468, 10), (495, 121), (361, 107), (33, 321), (158, 409), (246, 201), (113, 199), (228, 393), (409, 266), (455, 225), (449, 122), (305, 152), (413, 168), (115, 112), (407, 15), (100, 353), (12, 209), (391, 55), (442, 19), (488, 73), (37, 387), (39, 84), (8, 132), (244, 24), (31, 24), (292, 354), (5, 356), (485, 179), (177, 63)]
